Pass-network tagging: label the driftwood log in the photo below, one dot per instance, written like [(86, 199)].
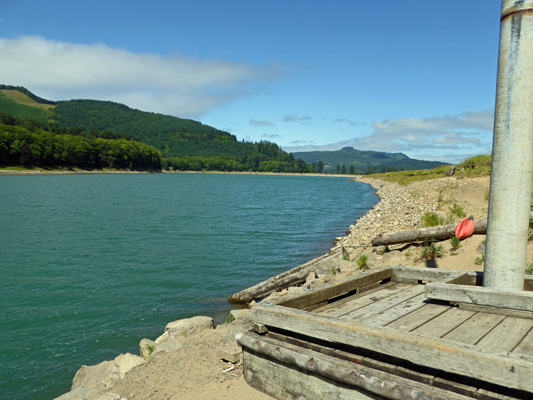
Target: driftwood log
[(441, 232), (289, 278)]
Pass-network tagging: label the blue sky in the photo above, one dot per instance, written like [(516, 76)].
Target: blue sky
[(410, 76)]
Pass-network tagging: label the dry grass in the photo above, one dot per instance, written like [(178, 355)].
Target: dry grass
[(473, 167), (21, 98)]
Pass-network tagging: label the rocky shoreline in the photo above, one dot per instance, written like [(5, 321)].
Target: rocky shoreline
[(193, 361)]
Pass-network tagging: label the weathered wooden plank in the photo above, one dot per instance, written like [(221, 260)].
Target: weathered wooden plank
[(424, 274), (458, 383), (440, 232), (480, 295), (333, 289), (526, 345), (336, 304), (506, 335), (418, 317), (488, 391), (384, 304), (475, 328), (288, 278), (457, 357), (340, 374), (282, 382), (398, 310), (496, 310), (444, 323), (365, 299)]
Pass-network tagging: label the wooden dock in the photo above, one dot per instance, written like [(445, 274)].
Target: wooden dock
[(393, 333)]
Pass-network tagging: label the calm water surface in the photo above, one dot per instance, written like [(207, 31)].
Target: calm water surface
[(91, 264)]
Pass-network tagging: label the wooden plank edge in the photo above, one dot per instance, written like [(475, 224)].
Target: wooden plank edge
[(463, 359), (496, 310), (480, 295), (333, 289), (344, 372), (401, 273)]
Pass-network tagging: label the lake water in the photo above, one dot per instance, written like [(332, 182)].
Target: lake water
[(91, 264)]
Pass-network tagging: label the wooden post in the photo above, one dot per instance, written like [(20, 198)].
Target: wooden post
[(512, 151)]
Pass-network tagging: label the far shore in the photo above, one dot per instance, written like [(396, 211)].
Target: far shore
[(42, 171)]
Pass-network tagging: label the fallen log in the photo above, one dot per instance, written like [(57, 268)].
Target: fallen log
[(282, 281), (441, 232)]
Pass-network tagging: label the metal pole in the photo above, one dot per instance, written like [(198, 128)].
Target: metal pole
[(512, 151)]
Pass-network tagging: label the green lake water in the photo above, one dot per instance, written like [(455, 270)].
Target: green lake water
[(91, 264)]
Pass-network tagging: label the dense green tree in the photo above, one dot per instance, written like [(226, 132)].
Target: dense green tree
[(20, 146)]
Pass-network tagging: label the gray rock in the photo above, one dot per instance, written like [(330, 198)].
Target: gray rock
[(481, 247), (126, 362), (77, 394), (167, 346), (310, 278), (242, 323), (146, 348), (110, 396), (189, 326), (103, 374), (94, 376), (380, 250)]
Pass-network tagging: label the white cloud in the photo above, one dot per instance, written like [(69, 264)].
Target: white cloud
[(447, 138), (173, 84), (296, 118), (349, 122), (256, 122)]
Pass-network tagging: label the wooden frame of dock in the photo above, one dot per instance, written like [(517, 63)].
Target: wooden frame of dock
[(394, 333)]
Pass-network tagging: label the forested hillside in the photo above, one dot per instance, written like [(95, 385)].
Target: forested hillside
[(184, 144), (23, 142), (363, 162)]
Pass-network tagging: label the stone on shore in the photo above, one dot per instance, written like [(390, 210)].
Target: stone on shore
[(146, 348), (103, 374), (185, 328), (126, 362), (167, 346)]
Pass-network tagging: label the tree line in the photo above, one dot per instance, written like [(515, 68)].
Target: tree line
[(26, 144)]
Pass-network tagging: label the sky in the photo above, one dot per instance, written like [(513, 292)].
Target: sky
[(410, 76)]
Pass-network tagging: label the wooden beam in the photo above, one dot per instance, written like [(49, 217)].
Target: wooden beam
[(290, 372), (441, 232), (463, 359), (333, 289), (288, 278), (480, 295), (496, 310), (402, 273)]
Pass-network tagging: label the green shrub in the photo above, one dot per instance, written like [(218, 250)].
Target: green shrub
[(480, 260), (455, 242), (431, 219), (457, 210), (230, 318), (362, 261), (430, 251)]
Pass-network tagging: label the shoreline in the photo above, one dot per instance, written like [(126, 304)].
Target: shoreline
[(37, 171)]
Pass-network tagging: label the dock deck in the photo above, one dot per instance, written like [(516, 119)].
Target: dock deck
[(380, 336)]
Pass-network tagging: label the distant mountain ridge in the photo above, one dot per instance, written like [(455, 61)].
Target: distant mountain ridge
[(364, 161)]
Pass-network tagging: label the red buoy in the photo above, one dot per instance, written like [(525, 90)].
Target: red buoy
[(465, 228)]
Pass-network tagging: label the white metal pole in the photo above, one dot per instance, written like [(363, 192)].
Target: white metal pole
[(512, 151)]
